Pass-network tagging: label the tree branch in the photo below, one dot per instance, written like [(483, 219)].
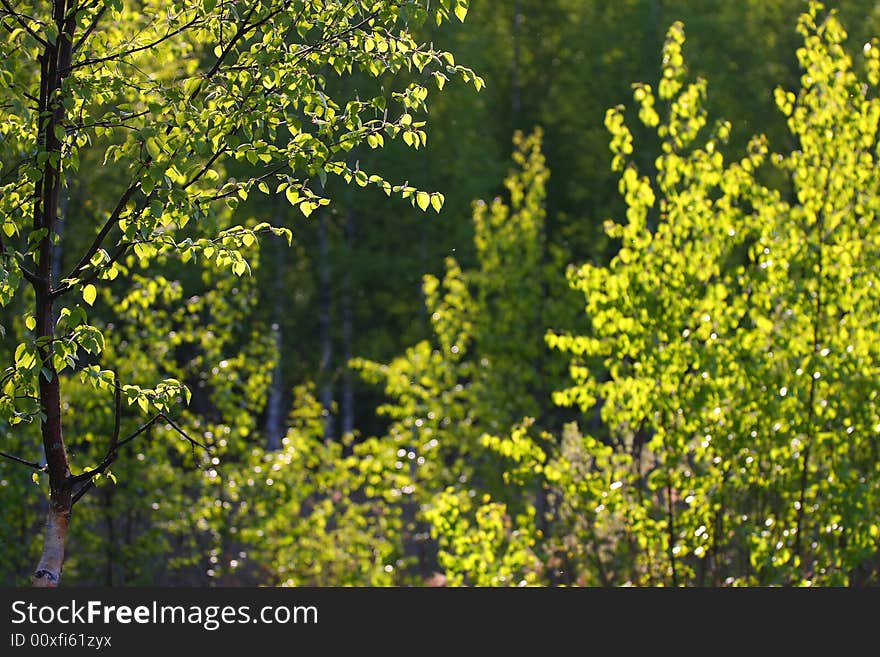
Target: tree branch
[(11, 12), (89, 29), (125, 246), (29, 276), (30, 464), (240, 32), (334, 37), (147, 46), (113, 452), (220, 151), (117, 412), (112, 220)]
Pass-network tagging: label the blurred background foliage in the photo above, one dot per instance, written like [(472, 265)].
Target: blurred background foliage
[(379, 396)]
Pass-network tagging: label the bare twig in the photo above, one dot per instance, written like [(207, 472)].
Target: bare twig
[(113, 452), (30, 464), (82, 491)]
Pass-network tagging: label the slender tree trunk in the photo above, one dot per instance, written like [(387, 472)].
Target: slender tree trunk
[(275, 403), (347, 329), (515, 86), (656, 35), (275, 415), (55, 64), (324, 319)]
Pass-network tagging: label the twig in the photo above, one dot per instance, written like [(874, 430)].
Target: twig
[(117, 414), (30, 464), (23, 23), (147, 46), (115, 444), (112, 220), (220, 151), (89, 29)]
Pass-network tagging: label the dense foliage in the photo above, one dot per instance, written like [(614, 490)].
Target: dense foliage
[(516, 392)]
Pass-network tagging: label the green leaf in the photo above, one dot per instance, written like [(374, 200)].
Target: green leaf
[(89, 294), (35, 477), (30, 322), (153, 148), (424, 200), (192, 85), (437, 200)]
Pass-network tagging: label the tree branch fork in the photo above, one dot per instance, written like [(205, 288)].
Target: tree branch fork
[(79, 484)]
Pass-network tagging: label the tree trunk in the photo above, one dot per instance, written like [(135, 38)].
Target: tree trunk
[(324, 320), (275, 403), (55, 65), (347, 330), (515, 92), (275, 415)]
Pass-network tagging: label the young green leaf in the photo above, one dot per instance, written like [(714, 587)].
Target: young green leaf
[(89, 294)]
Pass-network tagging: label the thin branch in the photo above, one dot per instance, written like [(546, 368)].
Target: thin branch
[(82, 491), (121, 123), (811, 408), (115, 444), (29, 276), (30, 464), (89, 29), (117, 412), (120, 251), (333, 37), (147, 46), (74, 10), (242, 30), (140, 430), (114, 439), (24, 24), (183, 433), (112, 220), (220, 151)]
